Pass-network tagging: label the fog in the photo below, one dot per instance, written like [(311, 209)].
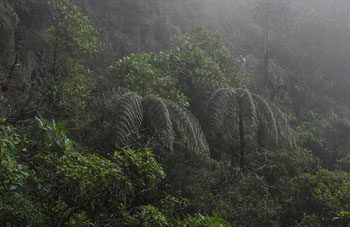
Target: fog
[(171, 113), (308, 38)]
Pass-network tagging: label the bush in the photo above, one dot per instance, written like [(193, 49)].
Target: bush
[(324, 196), (16, 207)]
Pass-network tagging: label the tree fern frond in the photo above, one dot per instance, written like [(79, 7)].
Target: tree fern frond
[(159, 116), (221, 104), (188, 128), (109, 98), (285, 130), (207, 84), (123, 109), (248, 104), (267, 115), (126, 110), (226, 102), (129, 115)]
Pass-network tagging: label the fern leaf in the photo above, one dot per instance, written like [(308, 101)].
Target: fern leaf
[(157, 111), (221, 104), (188, 128), (226, 102)]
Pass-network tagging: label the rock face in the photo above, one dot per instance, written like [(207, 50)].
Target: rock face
[(8, 22)]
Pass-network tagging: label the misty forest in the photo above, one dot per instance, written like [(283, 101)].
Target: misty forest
[(171, 113)]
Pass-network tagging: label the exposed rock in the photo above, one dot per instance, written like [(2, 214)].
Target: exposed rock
[(7, 39)]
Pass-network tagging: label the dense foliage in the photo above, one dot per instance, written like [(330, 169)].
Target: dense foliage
[(107, 121)]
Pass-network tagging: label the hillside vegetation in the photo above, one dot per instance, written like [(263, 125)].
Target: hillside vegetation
[(174, 113)]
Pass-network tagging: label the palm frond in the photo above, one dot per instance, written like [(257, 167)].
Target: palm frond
[(222, 103), (226, 102), (285, 130), (247, 102), (157, 112), (267, 116), (188, 128), (207, 84), (121, 114), (127, 111)]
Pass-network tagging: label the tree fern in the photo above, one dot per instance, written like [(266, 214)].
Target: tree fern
[(171, 123), (243, 106), (225, 102)]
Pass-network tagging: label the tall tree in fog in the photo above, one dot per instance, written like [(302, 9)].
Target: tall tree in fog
[(252, 111), (270, 15)]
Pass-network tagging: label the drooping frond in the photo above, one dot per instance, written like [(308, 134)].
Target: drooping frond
[(285, 130), (221, 104), (188, 128), (267, 116), (129, 115), (341, 122), (125, 110), (158, 114), (207, 84), (227, 102), (128, 111), (247, 102)]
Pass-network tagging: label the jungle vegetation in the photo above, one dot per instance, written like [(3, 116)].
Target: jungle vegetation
[(174, 113)]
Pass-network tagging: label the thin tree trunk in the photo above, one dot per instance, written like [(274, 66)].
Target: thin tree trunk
[(259, 137), (266, 52), (266, 64), (241, 138), (233, 156)]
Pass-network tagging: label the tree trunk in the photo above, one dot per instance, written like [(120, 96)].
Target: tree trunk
[(241, 138), (266, 64), (259, 137)]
